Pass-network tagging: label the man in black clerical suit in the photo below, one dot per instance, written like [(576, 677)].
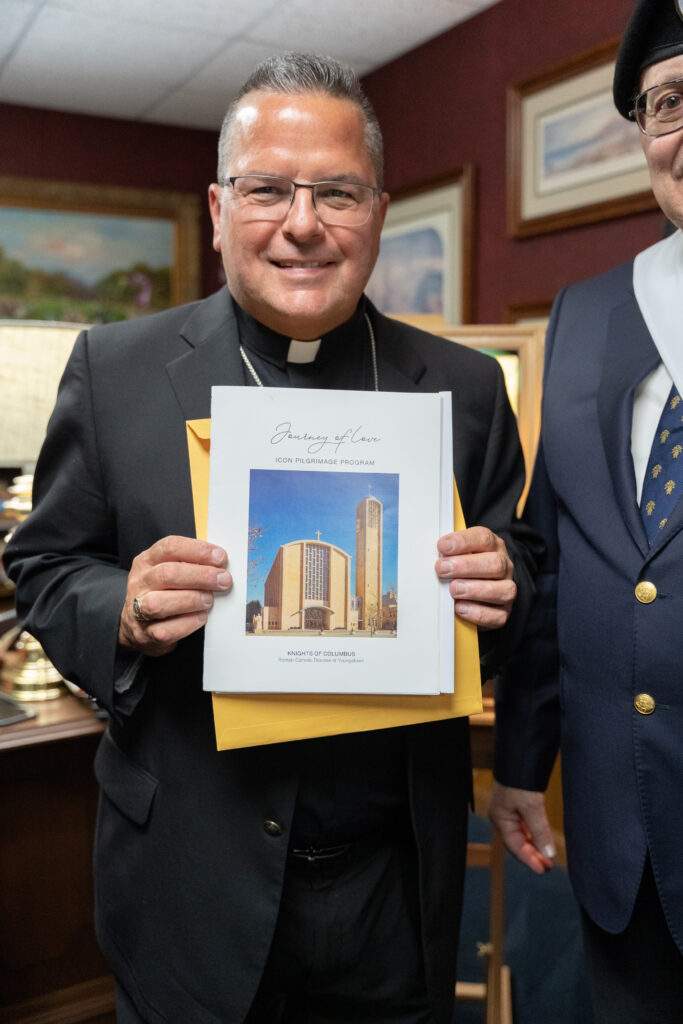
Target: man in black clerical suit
[(313, 881)]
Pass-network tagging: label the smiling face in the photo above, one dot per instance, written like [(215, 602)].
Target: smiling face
[(299, 277), (664, 154)]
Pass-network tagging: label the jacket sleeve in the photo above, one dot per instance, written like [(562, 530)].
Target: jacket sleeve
[(494, 505), (527, 692), (63, 558)]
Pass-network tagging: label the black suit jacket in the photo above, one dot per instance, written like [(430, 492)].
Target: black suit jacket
[(188, 881)]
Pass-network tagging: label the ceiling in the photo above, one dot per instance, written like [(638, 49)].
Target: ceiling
[(180, 61)]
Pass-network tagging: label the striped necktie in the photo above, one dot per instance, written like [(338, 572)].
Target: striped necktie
[(664, 478)]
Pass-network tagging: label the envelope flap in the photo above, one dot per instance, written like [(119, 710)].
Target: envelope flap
[(198, 448), (201, 430)]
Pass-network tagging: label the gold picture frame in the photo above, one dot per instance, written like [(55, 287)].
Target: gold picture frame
[(519, 349), (529, 313), (571, 158), (173, 216), (424, 268)]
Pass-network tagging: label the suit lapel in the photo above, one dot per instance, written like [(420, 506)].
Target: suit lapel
[(213, 356), (399, 365), (630, 354)]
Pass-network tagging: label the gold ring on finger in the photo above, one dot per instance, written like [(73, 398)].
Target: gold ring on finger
[(138, 613)]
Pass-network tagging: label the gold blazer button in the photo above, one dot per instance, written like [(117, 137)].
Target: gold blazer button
[(644, 704), (646, 592)]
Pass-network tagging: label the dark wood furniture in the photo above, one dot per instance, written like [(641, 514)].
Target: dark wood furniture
[(51, 971)]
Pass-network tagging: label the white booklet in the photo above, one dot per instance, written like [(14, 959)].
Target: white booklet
[(329, 504)]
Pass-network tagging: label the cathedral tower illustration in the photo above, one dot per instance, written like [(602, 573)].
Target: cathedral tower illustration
[(369, 562)]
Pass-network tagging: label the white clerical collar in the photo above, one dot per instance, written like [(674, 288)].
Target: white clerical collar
[(658, 287), (302, 351)]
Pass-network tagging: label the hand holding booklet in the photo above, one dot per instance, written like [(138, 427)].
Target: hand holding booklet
[(329, 504)]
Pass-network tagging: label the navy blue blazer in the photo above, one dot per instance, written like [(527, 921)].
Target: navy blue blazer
[(590, 646)]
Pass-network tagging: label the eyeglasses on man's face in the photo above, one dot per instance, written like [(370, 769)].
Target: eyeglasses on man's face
[(268, 197), (659, 110)]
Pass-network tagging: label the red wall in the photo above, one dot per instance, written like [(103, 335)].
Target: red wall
[(443, 105), (103, 151)]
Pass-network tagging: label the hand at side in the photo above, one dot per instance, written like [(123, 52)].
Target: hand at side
[(520, 816)]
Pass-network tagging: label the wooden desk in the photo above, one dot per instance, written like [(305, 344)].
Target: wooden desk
[(51, 971)]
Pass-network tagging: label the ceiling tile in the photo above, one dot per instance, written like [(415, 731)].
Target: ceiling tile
[(72, 62), (203, 100), (217, 17), (179, 62), (356, 30)]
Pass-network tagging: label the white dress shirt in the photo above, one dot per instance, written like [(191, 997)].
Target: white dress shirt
[(658, 287)]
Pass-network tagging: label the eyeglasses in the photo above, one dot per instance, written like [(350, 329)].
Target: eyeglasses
[(267, 197), (659, 110)]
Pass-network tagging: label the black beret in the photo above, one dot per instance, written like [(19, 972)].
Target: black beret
[(654, 33)]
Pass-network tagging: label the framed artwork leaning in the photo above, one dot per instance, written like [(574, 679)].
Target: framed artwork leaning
[(92, 253), (572, 159), (519, 351), (529, 313), (424, 264)]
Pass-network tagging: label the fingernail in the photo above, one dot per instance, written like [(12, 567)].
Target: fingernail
[(207, 600), (549, 851), (458, 588), (224, 580), (448, 547), (218, 556), (443, 566)]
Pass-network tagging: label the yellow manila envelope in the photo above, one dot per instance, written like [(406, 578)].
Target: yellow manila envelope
[(250, 720)]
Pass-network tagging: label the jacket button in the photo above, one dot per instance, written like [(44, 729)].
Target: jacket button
[(273, 828), (646, 592), (644, 704)]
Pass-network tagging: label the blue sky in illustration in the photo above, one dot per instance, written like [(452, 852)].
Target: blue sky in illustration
[(86, 246), (291, 505)]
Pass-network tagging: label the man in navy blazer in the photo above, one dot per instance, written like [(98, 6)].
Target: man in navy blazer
[(600, 668)]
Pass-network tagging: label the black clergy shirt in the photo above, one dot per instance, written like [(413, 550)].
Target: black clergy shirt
[(354, 785)]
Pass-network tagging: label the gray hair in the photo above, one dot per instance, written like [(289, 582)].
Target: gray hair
[(297, 73)]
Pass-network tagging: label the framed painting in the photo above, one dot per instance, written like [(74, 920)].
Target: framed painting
[(424, 265), (572, 158), (519, 350), (91, 253)]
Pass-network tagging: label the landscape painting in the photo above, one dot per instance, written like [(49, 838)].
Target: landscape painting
[(409, 273), (422, 272), (83, 267), (572, 158), (584, 142)]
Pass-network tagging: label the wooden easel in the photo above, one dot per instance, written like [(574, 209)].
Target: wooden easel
[(496, 991)]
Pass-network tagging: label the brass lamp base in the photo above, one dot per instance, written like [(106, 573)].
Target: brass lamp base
[(29, 673)]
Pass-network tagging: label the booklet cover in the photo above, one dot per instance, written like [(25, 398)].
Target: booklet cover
[(329, 504)]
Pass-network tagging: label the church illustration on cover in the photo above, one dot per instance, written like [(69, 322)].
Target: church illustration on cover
[(312, 587)]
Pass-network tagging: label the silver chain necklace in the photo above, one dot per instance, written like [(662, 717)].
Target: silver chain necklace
[(373, 352)]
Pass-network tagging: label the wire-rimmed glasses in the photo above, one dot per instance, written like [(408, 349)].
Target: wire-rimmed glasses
[(269, 197), (659, 110)]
